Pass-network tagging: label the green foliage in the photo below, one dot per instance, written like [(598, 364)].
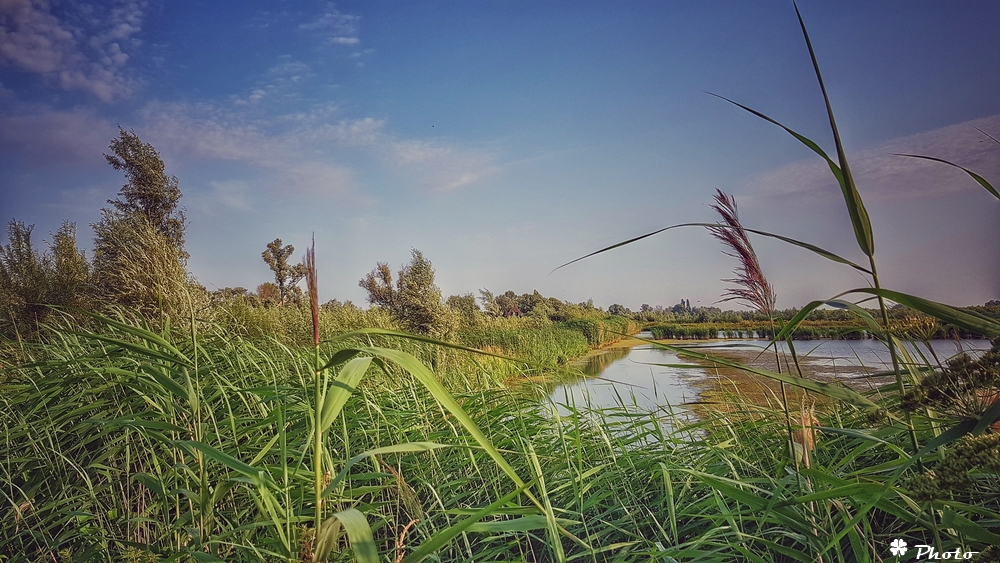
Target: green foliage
[(30, 280), (600, 332), (415, 301), (149, 193), (137, 267), (285, 276), (139, 256), (469, 314)]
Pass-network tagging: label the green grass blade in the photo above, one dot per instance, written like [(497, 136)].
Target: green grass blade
[(982, 181), (810, 247), (359, 532), (979, 324), (409, 447), (341, 389), (952, 519), (855, 207), (427, 378), (256, 474), (439, 539)]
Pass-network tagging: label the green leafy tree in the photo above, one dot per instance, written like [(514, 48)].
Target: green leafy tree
[(415, 301), (22, 276), (466, 308), (268, 293), (149, 193), (139, 256), (136, 266), (378, 284), (616, 309), (285, 276), (30, 280)]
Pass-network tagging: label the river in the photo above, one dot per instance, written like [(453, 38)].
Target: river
[(645, 378)]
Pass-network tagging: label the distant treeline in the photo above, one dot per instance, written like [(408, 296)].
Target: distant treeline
[(912, 327)]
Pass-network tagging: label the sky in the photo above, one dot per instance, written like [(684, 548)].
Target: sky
[(503, 139)]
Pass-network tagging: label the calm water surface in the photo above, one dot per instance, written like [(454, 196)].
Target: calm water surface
[(641, 378)]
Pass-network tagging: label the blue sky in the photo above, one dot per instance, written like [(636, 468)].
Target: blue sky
[(505, 138)]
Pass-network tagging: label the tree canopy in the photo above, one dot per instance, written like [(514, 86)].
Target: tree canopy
[(149, 191), (285, 275)]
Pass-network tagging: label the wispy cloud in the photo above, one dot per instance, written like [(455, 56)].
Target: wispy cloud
[(881, 176), (440, 167), (84, 50), (225, 196), (338, 28), (50, 136)]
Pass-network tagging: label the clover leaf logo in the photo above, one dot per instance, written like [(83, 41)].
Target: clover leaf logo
[(897, 547)]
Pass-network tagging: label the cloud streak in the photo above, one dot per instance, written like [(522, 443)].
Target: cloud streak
[(338, 28), (882, 176)]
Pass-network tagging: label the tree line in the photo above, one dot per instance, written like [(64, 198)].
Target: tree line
[(139, 263)]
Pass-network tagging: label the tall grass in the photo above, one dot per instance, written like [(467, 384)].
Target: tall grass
[(100, 462)]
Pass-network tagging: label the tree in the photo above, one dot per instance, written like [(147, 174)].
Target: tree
[(139, 256), (285, 276), (70, 272), (268, 293), (415, 301), (466, 308), (149, 191), (378, 284), (30, 280), (616, 309)]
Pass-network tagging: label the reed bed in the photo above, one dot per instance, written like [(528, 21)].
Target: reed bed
[(100, 463)]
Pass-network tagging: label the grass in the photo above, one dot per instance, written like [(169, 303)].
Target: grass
[(101, 462)]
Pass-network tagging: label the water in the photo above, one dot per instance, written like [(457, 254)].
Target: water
[(643, 379)]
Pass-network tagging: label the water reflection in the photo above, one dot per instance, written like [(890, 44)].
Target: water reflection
[(639, 379), (642, 379), (596, 364)]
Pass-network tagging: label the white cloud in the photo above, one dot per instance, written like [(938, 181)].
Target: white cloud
[(341, 28), (227, 196), (440, 167), (204, 132), (89, 56)]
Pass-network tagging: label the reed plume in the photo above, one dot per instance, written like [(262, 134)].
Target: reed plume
[(310, 263), (754, 288)]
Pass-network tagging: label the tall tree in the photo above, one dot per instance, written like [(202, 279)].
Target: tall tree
[(285, 275), (149, 191), (378, 284), (416, 300), (139, 257), (31, 280)]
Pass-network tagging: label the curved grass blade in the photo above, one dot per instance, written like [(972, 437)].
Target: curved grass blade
[(439, 539), (409, 447), (794, 322), (834, 392), (855, 207), (257, 475), (985, 326), (427, 378), (810, 247), (982, 181), (343, 355), (341, 390), (954, 520), (359, 532)]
